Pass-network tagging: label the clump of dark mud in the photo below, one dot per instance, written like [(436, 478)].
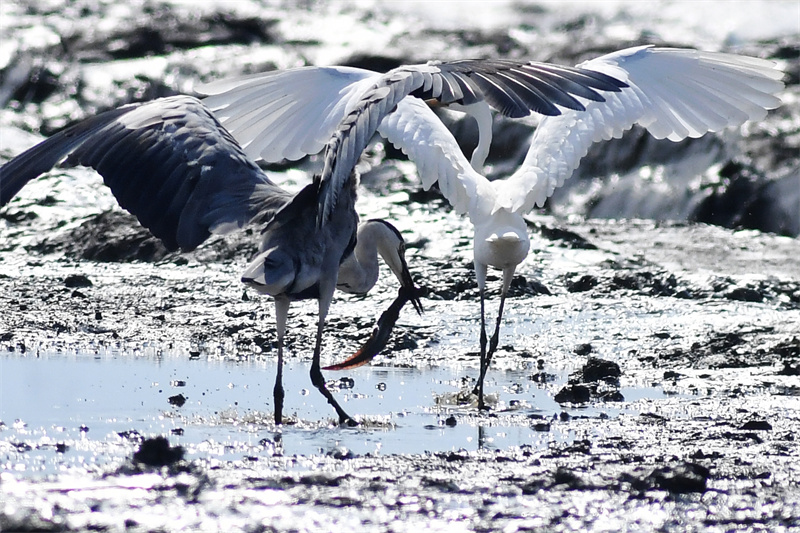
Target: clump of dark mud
[(597, 380), (157, 452)]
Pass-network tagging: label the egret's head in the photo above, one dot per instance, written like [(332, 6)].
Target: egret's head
[(501, 240)]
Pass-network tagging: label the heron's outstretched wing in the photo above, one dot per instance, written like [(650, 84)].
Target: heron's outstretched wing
[(674, 93), (288, 114), (449, 83), (169, 162), (514, 88), (354, 132)]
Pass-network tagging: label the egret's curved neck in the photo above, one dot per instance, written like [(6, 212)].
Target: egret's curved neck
[(482, 114)]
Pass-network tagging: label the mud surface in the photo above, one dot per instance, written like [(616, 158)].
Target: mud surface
[(648, 376)]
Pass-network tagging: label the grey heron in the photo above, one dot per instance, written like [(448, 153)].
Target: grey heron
[(171, 163), (673, 93)]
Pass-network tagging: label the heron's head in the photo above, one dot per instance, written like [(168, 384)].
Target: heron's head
[(392, 248)]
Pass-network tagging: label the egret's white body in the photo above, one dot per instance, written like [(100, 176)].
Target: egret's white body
[(673, 93)]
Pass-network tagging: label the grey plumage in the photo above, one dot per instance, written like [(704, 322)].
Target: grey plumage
[(175, 167), (514, 88), (169, 162)]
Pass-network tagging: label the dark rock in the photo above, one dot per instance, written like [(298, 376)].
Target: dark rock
[(573, 393), (583, 349), (566, 237), (522, 287), (745, 198), (563, 476), (597, 369), (745, 294), (681, 479), (112, 236), (77, 280), (157, 452), (611, 396), (178, 400), (761, 425), (582, 284)]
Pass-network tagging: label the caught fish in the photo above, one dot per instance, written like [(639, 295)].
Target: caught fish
[(380, 335)]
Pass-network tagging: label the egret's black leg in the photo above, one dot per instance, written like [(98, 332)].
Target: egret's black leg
[(484, 363), (495, 337), (486, 354)]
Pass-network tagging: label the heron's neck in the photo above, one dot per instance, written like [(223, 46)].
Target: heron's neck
[(359, 272)]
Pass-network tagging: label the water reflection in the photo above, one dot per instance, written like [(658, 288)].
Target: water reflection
[(67, 411)]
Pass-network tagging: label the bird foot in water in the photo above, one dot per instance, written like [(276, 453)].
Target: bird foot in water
[(466, 397), (348, 422)]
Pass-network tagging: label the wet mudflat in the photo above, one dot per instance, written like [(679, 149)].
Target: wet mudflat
[(697, 431), (648, 376)]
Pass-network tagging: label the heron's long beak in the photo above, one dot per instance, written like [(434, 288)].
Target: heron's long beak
[(408, 290), (380, 335)]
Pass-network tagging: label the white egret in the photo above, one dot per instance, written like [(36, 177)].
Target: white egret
[(673, 93)]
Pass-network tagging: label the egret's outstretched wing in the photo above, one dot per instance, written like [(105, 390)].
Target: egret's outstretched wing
[(674, 93), (288, 114), (169, 162), (418, 132)]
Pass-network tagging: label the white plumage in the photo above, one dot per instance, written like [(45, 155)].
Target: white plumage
[(673, 93)]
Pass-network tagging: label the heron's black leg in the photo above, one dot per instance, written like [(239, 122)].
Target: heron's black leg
[(281, 312), (316, 372), (277, 391)]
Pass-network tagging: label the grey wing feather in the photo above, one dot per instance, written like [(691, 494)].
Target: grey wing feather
[(355, 131), (169, 162), (44, 156), (516, 88)]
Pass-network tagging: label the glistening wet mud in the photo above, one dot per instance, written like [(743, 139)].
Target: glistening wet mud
[(648, 372), (696, 431)]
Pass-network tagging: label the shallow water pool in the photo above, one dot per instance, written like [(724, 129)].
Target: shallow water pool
[(65, 411)]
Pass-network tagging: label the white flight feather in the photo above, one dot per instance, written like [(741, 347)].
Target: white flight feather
[(673, 93)]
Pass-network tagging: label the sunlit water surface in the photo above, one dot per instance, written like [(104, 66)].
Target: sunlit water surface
[(64, 411)]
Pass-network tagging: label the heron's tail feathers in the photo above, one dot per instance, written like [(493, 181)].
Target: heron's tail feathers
[(271, 272)]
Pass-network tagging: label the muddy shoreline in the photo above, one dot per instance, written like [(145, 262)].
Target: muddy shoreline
[(648, 375), (718, 451)]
